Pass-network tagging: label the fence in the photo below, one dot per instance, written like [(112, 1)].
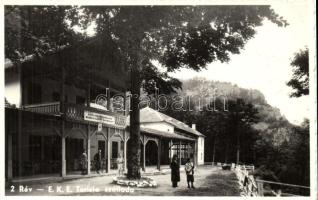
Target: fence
[(272, 188), (250, 187), (256, 187)]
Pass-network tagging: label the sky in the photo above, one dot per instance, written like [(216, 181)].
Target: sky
[(264, 64)]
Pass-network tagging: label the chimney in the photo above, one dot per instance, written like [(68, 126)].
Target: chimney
[(193, 126)]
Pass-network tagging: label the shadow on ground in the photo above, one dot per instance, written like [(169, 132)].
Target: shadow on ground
[(224, 183)]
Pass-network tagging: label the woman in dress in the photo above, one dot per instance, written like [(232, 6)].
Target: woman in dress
[(120, 165), (175, 171), (83, 162)]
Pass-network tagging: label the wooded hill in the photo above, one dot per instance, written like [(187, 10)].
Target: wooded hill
[(240, 126)]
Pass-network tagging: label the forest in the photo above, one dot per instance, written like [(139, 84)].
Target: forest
[(241, 127)]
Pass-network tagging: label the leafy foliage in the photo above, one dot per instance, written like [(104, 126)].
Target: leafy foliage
[(300, 79), (176, 36), (36, 30)]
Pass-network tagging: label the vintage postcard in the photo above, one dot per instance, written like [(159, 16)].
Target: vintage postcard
[(190, 99)]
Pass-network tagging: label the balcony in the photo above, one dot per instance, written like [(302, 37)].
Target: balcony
[(80, 113), (52, 108)]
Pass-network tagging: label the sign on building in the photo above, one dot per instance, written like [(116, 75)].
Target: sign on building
[(99, 118), (100, 127)]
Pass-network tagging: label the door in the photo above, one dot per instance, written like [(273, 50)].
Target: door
[(74, 149), (114, 155), (114, 150), (101, 146)]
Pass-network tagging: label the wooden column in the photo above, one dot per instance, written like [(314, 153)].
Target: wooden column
[(179, 147), (159, 154), (20, 143), (124, 156), (105, 154), (176, 151), (108, 95), (170, 150), (126, 112), (62, 110), (195, 153), (88, 95), (144, 154), (63, 173), (9, 157), (126, 140), (187, 150), (260, 188), (88, 147), (108, 149)]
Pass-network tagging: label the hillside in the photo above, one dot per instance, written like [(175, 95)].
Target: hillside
[(250, 131), (269, 116)]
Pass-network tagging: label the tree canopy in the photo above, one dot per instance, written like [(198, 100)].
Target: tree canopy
[(180, 36), (300, 79), (37, 30)]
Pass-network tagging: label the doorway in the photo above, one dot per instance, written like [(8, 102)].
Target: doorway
[(101, 146), (74, 149)]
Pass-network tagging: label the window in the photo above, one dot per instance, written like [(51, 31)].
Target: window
[(114, 149), (80, 100), (35, 148), (56, 97), (101, 146), (34, 93)]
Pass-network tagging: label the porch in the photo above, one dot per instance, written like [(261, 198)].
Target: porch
[(40, 142)]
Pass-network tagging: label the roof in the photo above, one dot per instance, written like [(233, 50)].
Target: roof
[(164, 134), (149, 115)]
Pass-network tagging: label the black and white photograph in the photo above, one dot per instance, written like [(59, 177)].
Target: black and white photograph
[(150, 99)]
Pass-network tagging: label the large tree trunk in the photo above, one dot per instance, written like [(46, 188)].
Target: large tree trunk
[(133, 151), (213, 154), (226, 151), (238, 147)]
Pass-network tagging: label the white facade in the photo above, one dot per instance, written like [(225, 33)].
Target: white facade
[(48, 88), (167, 127), (13, 88), (160, 126), (200, 152)]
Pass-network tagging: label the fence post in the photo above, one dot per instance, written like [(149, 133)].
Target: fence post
[(260, 188)]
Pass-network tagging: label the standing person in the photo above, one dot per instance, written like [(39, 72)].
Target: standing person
[(189, 169), (83, 162), (175, 171), (120, 165), (98, 161)]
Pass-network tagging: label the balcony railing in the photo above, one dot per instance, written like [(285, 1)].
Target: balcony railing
[(75, 111), (47, 108)]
